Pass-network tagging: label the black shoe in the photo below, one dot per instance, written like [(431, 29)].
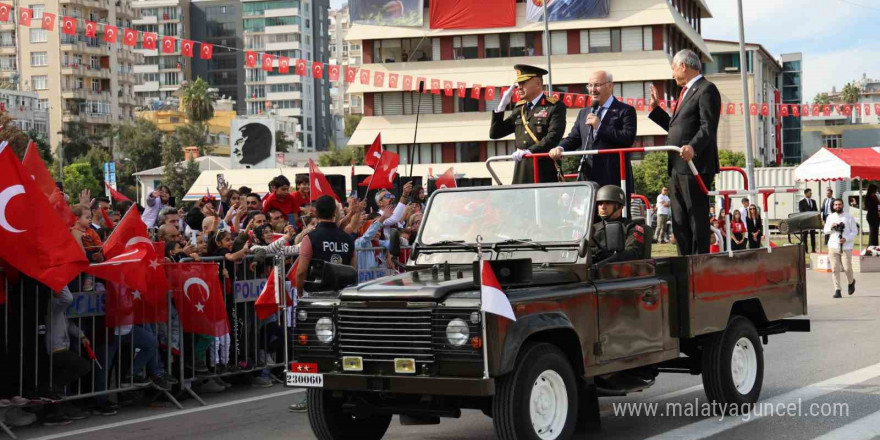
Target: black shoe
[(160, 382), (200, 366), (837, 294), (55, 419), (299, 407), (104, 409), (852, 287)]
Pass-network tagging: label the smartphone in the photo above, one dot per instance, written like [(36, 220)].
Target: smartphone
[(221, 182), (194, 238), (290, 220)]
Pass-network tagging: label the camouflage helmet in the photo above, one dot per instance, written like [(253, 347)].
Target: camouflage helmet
[(611, 193)]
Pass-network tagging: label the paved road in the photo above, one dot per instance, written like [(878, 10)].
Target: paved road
[(838, 363)]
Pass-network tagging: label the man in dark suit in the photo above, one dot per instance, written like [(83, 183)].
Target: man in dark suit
[(807, 204), (609, 124), (693, 126), (827, 207), (537, 121)]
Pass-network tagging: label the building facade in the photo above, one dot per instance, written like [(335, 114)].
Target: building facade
[(162, 73), (764, 75), (297, 29), (869, 93), (218, 22), (342, 53), (837, 131), (26, 111), (636, 48), (78, 80), (792, 93)]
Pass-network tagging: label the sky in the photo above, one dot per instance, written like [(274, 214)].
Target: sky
[(838, 38)]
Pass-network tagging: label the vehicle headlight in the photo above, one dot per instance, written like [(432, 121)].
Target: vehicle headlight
[(457, 332), (324, 330)]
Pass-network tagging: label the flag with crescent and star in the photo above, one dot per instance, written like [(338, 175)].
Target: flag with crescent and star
[(385, 173), (34, 164), (130, 232), (198, 298), (319, 184)]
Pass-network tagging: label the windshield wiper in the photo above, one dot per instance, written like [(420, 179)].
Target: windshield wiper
[(530, 243), (456, 243)]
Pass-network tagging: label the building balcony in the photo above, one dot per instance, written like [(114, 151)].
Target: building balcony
[(86, 71), (283, 45), (146, 52), (279, 96), (93, 4), (7, 26), (87, 118), (149, 86), (289, 111), (126, 99), (283, 79), (85, 48), (146, 68), (145, 20), (283, 29), (281, 12), (168, 87), (8, 50), (84, 93), (128, 78)]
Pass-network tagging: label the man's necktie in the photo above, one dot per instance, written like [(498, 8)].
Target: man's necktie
[(680, 98), (599, 114)]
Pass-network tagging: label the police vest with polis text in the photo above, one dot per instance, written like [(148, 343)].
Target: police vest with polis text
[(331, 244)]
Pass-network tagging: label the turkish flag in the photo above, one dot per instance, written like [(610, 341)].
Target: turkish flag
[(386, 171), (631, 102), (393, 80), (753, 109), (48, 21), (379, 79), (267, 61), (128, 268), (130, 38), (435, 86), (640, 104), (149, 39), (131, 232), (765, 109), (847, 109), (169, 44), (127, 306), (783, 110), (116, 195), (490, 93), (4, 11), (198, 297), (250, 59), (374, 153), (568, 100), (555, 95), (867, 109), (110, 33), (462, 89), (447, 180), (317, 70), (877, 109), (24, 16), (318, 184), (580, 101), (206, 51), (68, 25), (350, 74), (35, 166), (35, 241), (301, 67), (269, 300), (407, 82), (283, 65), (91, 29), (795, 110), (186, 47), (826, 110), (333, 72), (475, 91), (447, 88), (731, 108), (365, 76)]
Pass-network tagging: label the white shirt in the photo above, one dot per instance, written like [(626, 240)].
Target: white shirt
[(690, 85), (661, 209), (849, 231), (744, 213)]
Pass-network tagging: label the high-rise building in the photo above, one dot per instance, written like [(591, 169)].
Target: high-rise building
[(77, 79), (635, 43), (792, 93), (163, 73), (218, 22), (296, 29), (25, 111), (342, 53)]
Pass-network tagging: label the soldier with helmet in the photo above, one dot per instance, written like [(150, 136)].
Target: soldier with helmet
[(610, 201), (537, 122)]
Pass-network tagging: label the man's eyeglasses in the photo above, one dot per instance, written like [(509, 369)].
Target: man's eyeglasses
[(388, 196), (597, 85)]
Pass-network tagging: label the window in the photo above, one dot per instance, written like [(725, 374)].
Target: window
[(42, 104), (559, 42), (467, 152), (600, 40), (39, 59), (465, 47), (492, 45), (832, 140), (631, 39), (40, 82), (38, 36), (38, 11), (634, 90), (96, 86), (518, 44), (647, 38)]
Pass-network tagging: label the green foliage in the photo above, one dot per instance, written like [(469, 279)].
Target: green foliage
[(140, 141), (342, 157), (729, 158), (850, 93), (79, 176), (195, 134), (822, 99), (10, 132), (351, 124), (43, 147), (197, 100), (650, 175), (76, 141), (283, 144)]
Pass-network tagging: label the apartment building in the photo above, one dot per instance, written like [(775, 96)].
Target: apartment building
[(218, 22), (162, 73), (25, 110)]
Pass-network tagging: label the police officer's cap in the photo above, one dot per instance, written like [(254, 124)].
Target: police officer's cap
[(525, 72), (611, 193)]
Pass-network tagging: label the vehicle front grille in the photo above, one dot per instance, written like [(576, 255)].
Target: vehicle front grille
[(385, 334)]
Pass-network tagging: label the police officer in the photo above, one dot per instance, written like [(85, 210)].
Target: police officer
[(610, 201), (537, 120), (327, 242)]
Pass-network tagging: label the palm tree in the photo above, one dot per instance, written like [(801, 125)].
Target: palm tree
[(197, 100), (850, 93), (821, 99)]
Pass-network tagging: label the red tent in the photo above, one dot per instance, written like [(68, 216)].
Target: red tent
[(840, 164)]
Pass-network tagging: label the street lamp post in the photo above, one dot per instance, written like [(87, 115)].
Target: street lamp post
[(744, 73)]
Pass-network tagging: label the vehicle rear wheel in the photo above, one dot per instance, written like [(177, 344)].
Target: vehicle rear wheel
[(733, 365), (330, 422), (538, 400)]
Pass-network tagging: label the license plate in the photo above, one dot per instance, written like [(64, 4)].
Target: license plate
[(305, 380)]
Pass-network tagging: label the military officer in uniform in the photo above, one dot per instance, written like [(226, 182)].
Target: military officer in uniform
[(611, 200), (538, 122)]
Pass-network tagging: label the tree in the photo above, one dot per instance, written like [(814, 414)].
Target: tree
[(822, 99), (43, 147), (650, 176), (10, 132), (729, 158), (342, 157), (197, 100), (351, 124), (178, 176), (195, 134), (79, 176), (850, 93), (140, 141), (76, 141), (283, 144)]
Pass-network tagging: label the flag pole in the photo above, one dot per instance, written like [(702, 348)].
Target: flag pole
[(547, 49), (372, 176), (482, 309)]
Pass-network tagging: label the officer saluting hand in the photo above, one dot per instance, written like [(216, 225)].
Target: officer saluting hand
[(537, 121), (327, 242)]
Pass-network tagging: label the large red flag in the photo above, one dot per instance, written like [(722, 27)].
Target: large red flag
[(34, 165), (269, 299), (319, 184), (386, 171), (128, 268), (116, 195), (198, 298), (128, 306), (373, 154), (472, 14), (35, 241), (447, 180), (130, 231)]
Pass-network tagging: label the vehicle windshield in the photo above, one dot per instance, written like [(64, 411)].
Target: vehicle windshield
[(547, 214)]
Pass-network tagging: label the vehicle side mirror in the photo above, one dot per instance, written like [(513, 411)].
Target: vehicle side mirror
[(323, 276), (394, 243), (615, 237)]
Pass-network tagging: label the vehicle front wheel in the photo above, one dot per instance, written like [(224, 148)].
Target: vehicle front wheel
[(330, 422), (538, 400), (733, 365)]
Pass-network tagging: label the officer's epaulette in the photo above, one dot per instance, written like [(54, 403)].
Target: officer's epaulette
[(552, 100), (520, 102)]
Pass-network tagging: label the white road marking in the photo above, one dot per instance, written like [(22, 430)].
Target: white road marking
[(711, 426), (675, 394), (867, 427), (173, 413)]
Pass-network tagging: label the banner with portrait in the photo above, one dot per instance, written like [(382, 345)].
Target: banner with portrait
[(561, 10), (387, 12)]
